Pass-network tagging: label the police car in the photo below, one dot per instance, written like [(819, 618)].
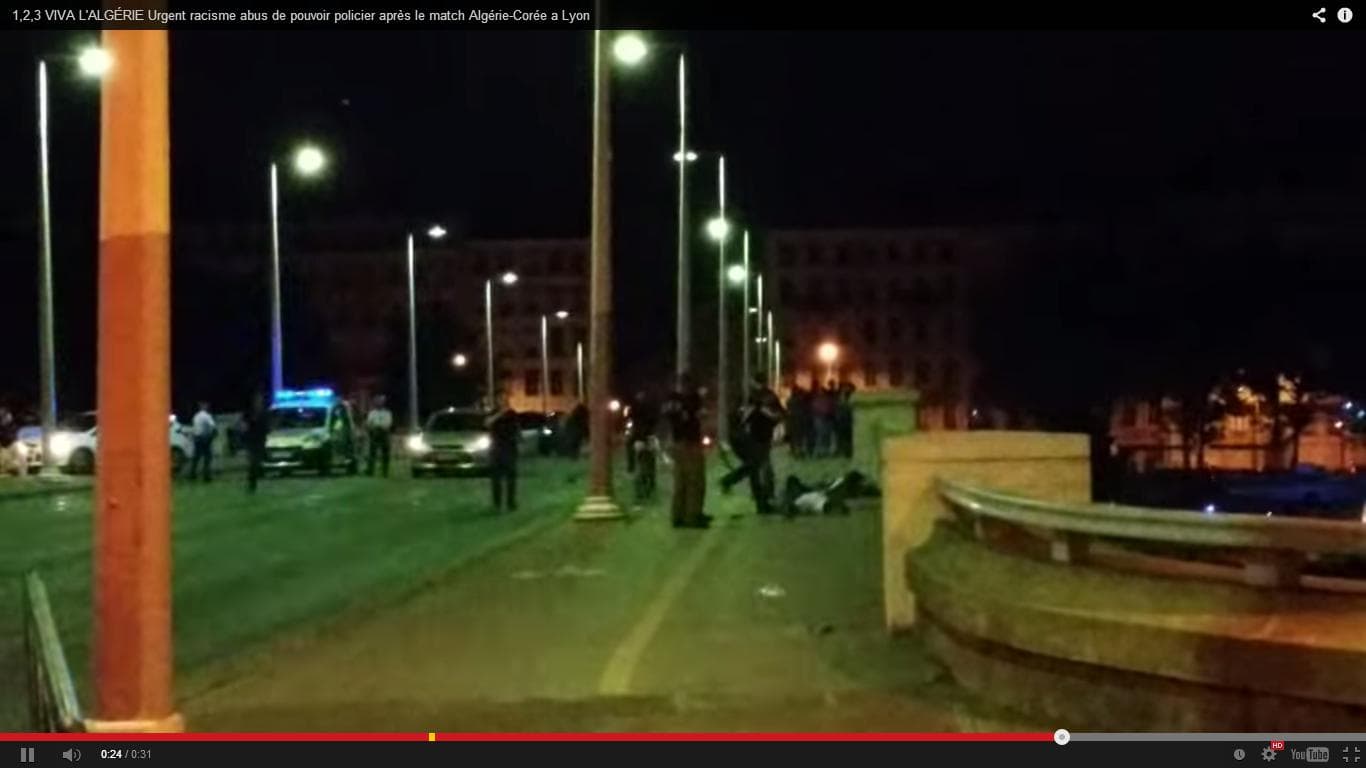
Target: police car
[(311, 430)]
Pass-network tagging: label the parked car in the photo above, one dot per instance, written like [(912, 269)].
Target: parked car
[(454, 440), (540, 431), (75, 441), (311, 430)]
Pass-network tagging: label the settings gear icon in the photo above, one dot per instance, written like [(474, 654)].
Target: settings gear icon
[(1268, 754)]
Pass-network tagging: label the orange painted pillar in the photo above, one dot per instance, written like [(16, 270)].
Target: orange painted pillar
[(132, 654)]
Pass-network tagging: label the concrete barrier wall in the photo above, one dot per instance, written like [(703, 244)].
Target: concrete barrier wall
[(1044, 465)]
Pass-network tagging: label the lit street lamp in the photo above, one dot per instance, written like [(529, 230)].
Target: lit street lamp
[(436, 233), (93, 62), (561, 315), (761, 360), (308, 161), (745, 346), (459, 360), (508, 279), (828, 353), (719, 229), (598, 504)]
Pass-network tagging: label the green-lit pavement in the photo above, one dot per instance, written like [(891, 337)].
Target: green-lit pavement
[(756, 624), (249, 567)]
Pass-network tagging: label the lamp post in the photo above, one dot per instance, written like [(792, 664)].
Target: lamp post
[(545, 357), (578, 362), (771, 346), (94, 63), (719, 228), (509, 279), (436, 232), (308, 161), (683, 352), (598, 504), (746, 346), (777, 365)]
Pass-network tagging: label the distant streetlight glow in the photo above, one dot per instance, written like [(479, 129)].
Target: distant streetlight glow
[(436, 232), (828, 352), (459, 361), (691, 156), (309, 160), (562, 314), (508, 278), (614, 406), (630, 48), (718, 229), (94, 61), (736, 274)]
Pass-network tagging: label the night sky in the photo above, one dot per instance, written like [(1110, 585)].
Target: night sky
[(489, 133)]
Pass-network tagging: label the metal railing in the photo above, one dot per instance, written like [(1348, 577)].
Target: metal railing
[(53, 706), (1263, 551)]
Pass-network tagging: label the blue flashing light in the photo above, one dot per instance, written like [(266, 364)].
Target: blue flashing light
[(314, 396)]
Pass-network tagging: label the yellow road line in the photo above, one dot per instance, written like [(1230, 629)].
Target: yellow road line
[(621, 667)]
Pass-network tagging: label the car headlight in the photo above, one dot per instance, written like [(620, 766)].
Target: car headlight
[(546, 431), (417, 444), (61, 445), (22, 449), (482, 444), (312, 441)]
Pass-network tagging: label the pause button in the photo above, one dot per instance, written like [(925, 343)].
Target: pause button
[(26, 755)]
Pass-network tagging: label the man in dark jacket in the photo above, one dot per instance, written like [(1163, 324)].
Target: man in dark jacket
[(505, 433), (257, 426), (684, 410), (759, 418)]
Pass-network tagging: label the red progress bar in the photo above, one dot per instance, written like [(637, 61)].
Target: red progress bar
[(396, 737)]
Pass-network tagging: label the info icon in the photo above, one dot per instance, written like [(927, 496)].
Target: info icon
[(1344, 15)]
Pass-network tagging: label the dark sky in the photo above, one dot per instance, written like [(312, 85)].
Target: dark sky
[(489, 132)]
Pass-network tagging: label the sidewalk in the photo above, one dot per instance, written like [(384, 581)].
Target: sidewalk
[(756, 624)]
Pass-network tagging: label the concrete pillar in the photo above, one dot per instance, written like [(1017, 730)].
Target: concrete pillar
[(1048, 466), (132, 652)]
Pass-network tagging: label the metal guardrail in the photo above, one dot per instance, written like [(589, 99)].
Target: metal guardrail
[(53, 706), (1271, 551)]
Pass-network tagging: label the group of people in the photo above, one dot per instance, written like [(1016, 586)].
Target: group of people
[(820, 421)]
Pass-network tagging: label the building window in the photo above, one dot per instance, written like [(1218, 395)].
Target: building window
[(922, 373), (786, 294), (556, 263), (894, 328), (947, 330), (787, 255), (896, 374), (557, 340), (918, 253), (531, 382), (950, 416), (533, 353), (843, 254), (870, 295), (1128, 414), (842, 293), (557, 383), (946, 253), (894, 253), (814, 255), (920, 331)]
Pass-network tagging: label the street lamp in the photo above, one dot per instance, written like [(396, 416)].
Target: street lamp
[(718, 228), (508, 279), (828, 353), (735, 274), (744, 315), (459, 360), (630, 49), (308, 161), (561, 315), (435, 233), (93, 62)]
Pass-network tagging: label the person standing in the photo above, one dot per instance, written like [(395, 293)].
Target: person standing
[(844, 420), (379, 427), (575, 430), (504, 435), (684, 411), (759, 419), (641, 444), (10, 458), (798, 422), (257, 426), (203, 429)]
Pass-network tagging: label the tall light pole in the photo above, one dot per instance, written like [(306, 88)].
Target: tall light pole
[(132, 651), (745, 345), (561, 315), (761, 358), (598, 503), (308, 161), (435, 232), (683, 352), (719, 228), (578, 363), (94, 63), (772, 344), (777, 364), (508, 279)]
